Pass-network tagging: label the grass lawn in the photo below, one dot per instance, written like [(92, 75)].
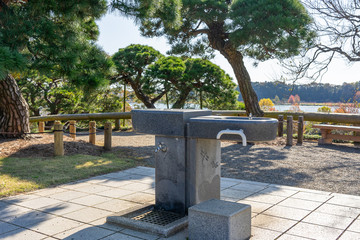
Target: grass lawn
[(26, 174)]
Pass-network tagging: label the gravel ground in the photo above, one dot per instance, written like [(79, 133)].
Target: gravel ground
[(334, 168)]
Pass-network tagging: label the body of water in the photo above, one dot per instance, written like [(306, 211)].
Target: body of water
[(282, 108), (279, 108)]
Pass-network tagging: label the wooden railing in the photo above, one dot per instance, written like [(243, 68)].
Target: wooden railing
[(315, 117), (281, 116)]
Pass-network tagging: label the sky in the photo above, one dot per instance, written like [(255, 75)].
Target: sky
[(117, 32)]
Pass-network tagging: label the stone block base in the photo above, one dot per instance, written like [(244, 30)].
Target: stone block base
[(217, 219)]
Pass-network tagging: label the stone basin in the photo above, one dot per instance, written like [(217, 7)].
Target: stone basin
[(256, 129), (164, 122)]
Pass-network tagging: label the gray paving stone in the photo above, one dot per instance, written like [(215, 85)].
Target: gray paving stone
[(265, 198), (68, 195), (55, 225), (116, 205), (328, 220), (355, 226), (183, 235), (227, 184), (339, 210), (115, 183), (312, 196), (315, 231), (8, 211), (118, 236), (272, 223), (292, 237), (74, 185), (85, 232), (345, 201), (350, 236), (278, 191), (87, 214), (139, 234), (20, 198), (235, 193), (103, 224), (37, 203), (287, 212), (49, 191), (139, 197), (93, 188), (115, 193), (300, 203), (22, 234), (248, 187), (29, 219), (137, 186), (62, 208), (6, 227), (257, 207), (90, 200), (263, 234)]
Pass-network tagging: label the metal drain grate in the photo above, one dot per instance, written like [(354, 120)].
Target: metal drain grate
[(158, 217)]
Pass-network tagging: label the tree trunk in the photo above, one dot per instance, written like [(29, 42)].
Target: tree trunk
[(252, 106), (140, 94), (180, 102), (14, 111), (235, 58)]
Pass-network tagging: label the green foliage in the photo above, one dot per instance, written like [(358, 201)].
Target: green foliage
[(265, 29), (324, 109), (261, 29), (151, 75), (52, 37)]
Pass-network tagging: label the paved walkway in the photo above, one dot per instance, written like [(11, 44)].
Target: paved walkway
[(78, 210)]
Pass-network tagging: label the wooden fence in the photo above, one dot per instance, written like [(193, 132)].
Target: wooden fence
[(281, 116)]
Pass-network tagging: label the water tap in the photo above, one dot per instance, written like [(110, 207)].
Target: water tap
[(161, 147)]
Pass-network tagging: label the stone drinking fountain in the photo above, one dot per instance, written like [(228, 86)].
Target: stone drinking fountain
[(188, 157)]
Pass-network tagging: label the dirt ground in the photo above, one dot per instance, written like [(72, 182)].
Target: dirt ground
[(332, 168)]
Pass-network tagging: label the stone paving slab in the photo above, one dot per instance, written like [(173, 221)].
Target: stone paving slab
[(78, 210)]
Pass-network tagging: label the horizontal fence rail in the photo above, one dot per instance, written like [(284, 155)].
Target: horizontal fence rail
[(83, 116), (315, 117)]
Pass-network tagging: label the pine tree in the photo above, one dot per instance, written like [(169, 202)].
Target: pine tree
[(49, 37)]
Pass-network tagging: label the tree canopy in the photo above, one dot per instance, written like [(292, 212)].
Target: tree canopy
[(54, 39), (261, 29), (153, 76)]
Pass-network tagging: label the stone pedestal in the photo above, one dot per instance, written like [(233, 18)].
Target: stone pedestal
[(170, 174), (219, 220), (203, 170)]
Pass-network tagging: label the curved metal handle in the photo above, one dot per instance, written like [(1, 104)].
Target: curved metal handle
[(234, 132)]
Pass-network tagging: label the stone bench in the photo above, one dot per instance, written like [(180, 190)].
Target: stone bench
[(219, 220), (327, 136)]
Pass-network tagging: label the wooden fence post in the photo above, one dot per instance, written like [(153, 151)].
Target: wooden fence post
[(92, 132), (41, 127), (107, 136), (300, 130), (72, 129), (58, 139), (281, 126), (289, 128), (117, 124)]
